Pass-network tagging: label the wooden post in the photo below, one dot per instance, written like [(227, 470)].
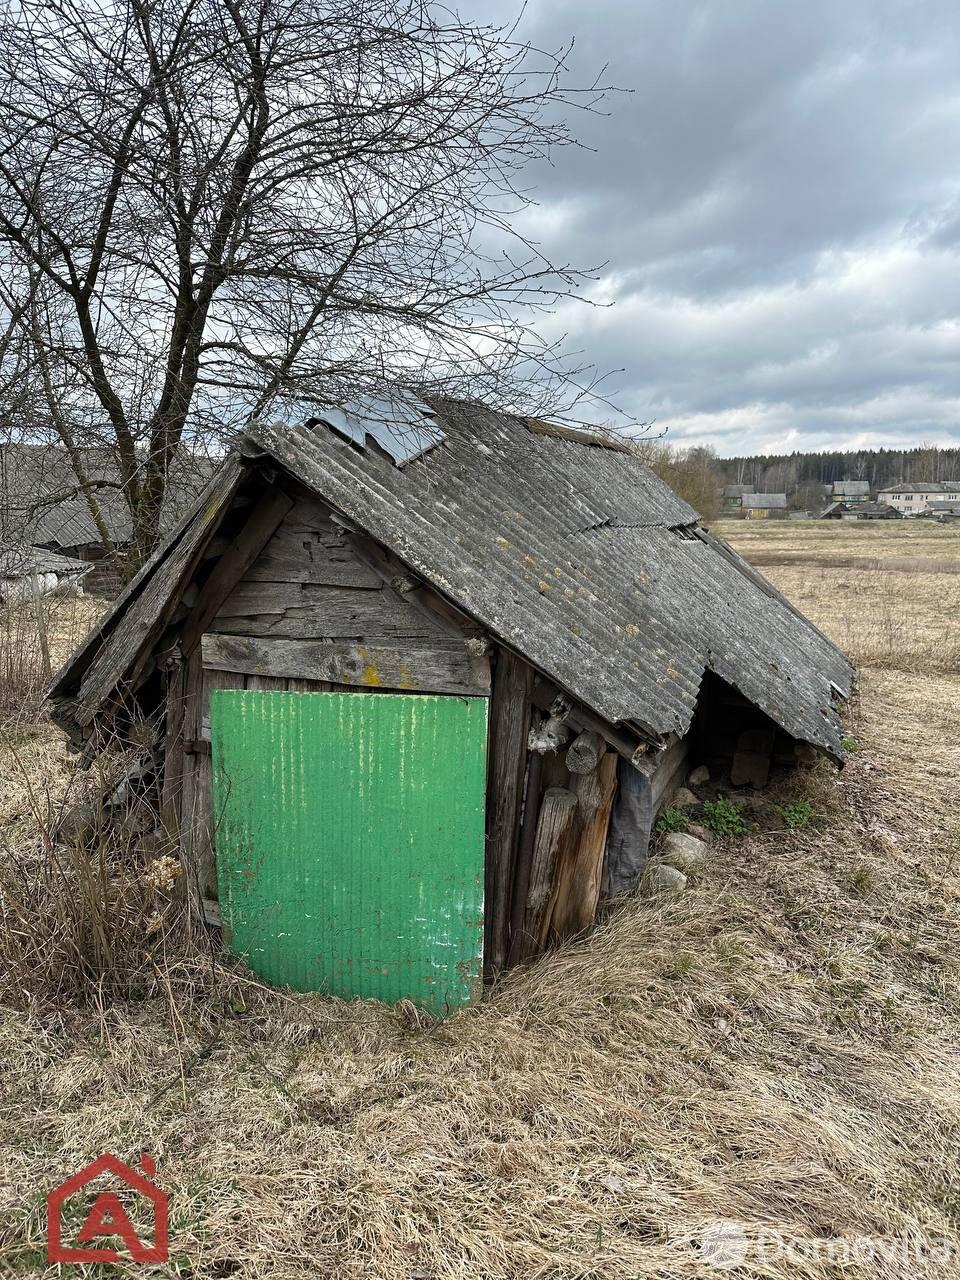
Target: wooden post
[(509, 728), (172, 788), (528, 835), (41, 626)]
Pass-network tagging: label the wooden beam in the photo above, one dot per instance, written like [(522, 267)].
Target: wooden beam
[(509, 729), (126, 651), (399, 666), (633, 749), (255, 533)]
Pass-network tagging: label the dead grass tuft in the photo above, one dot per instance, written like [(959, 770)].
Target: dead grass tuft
[(780, 1046)]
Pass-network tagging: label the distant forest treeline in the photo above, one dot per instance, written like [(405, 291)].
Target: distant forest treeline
[(882, 467)]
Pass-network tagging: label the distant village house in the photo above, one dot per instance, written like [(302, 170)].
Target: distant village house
[(764, 506)]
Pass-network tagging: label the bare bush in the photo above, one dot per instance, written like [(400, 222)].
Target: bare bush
[(32, 639)]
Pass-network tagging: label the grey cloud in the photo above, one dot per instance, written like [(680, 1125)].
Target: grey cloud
[(778, 204)]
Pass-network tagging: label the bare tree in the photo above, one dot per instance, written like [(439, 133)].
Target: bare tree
[(694, 473), (213, 207)]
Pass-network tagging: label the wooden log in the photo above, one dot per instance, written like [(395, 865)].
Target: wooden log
[(556, 826), (509, 726), (577, 886), (583, 754), (253, 536), (413, 670)]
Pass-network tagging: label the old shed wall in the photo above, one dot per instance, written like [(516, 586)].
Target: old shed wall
[(313, 609), (298, 600)]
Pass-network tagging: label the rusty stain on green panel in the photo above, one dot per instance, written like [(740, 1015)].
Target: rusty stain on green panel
[(350, 840)]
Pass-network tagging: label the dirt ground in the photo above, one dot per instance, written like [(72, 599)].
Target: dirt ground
[(777, 1050)]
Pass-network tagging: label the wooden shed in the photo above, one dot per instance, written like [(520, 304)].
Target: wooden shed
[(421, 676)]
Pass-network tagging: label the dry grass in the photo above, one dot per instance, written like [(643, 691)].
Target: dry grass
[(888, 593), (836, 542), (780, 1046), (23, 673)]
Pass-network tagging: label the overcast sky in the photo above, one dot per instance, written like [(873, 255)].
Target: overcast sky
[(778, 202)]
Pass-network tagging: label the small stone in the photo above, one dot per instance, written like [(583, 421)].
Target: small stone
[(684, 799), (699, 776), (663, 879), (694, 829), (682, 851)]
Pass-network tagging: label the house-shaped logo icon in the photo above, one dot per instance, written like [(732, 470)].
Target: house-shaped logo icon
[(107, 1216)]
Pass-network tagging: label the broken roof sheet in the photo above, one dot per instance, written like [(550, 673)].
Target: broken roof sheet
[(401, 424), (579, 558)]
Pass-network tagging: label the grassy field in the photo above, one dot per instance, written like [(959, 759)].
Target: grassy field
[(779, 1047)]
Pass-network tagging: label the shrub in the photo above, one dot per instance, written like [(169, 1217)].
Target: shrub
[(797, 815), (850, 744), (724, 817), (670, 820)]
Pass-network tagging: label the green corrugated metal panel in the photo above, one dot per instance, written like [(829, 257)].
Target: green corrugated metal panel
[(350, 840)]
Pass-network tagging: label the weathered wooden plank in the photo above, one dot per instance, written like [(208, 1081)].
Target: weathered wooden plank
[(524, 861), (509, 727), (266, 684), (147, 615), (254, 533), (322, 557), (335, 613), (419, 670), (669, 770), (309, 686), (420, 595), (556, 828), (577, 885), (192, 707), (204, 819)]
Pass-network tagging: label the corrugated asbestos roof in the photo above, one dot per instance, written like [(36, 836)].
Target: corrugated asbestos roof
[(583, 561), (20, 562), (580, 559)]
